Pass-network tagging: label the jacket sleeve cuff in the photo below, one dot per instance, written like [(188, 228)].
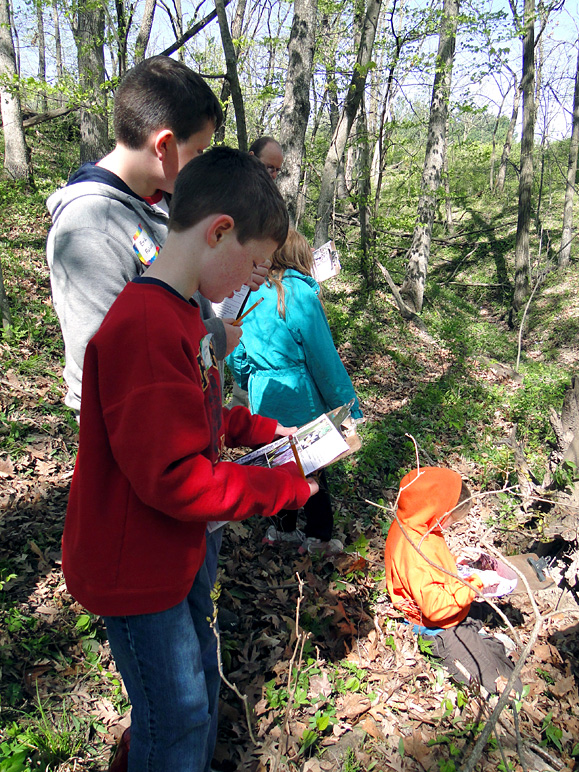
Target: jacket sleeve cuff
[(302, 489), (247, 430)]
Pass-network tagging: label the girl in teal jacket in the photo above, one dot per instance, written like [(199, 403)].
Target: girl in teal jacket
[(288, 363)]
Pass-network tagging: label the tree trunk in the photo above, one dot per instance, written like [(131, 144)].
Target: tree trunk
[(364, 196), (368, 23), (16, 164), (390, 91), (121, 34), (295, 110), (567, 235), (178, 27), (15, 38), (144, 32), (5, 315), (303, 190), (42, 105), (412, 290), (57, 40), (236, 30), (494, 146), (522, 257), (89, 36), (232, 75), (449, 223), (502, 173)]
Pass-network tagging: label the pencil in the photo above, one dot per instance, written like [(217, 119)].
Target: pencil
[(294, 448), (236, 322)]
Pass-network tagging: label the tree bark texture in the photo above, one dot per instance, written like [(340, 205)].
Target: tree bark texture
[(122, 35), (144, 32), (412, 290), (236, 30), (364, 169), (295, 110), (42, 105), (89, 37), (522, 256), (5, 316), (567, 235), (367, 25), (57, 40), (378, 162), (502, 173), (15, 38), (178, 27), (232, 75), (16, 163)]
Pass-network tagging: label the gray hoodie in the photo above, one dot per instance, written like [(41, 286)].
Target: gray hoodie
[(92, 253)]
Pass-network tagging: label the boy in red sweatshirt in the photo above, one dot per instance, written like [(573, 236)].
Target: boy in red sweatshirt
[(148, 477), (432, 499)]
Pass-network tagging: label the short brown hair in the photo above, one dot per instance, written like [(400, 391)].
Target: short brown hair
[(228, 181), (260, 143), (161, 93)]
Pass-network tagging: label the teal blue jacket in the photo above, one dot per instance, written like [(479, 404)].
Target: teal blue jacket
[(290, 367)]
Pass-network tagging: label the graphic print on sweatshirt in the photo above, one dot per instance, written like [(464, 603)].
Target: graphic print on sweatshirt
[(207, 362)]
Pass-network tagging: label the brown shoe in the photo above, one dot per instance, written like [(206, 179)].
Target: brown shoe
[(120, 760)]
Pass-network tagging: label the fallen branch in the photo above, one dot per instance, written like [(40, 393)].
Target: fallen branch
[(480, 744), (405, 312), (301, 637), (233, 687), (58, 112)]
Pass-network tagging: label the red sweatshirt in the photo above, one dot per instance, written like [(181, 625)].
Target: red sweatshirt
[(148, 476), (426, 595)]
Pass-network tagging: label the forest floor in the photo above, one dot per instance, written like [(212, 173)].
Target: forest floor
[(333, 679)]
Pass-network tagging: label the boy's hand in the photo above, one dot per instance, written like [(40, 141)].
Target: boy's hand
[(259, 275), (285, 431), (232, 335), (314, 487)]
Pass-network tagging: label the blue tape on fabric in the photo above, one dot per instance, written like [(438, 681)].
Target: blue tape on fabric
[(421, 630)]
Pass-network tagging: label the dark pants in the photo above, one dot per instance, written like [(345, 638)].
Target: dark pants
[(318, 511), (482, 656)]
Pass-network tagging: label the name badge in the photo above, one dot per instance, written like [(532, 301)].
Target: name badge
[(144, 246)]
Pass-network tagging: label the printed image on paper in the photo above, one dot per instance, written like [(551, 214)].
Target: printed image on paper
[(318, 444), (326, 262)]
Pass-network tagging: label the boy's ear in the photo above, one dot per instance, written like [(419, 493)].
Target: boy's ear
[(163, 143), (219, 227)]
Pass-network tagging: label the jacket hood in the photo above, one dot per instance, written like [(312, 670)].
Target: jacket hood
[(59, 200), (291, 273), (426, 495)]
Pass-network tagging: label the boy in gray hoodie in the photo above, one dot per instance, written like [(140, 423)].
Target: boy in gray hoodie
[(111, 219)]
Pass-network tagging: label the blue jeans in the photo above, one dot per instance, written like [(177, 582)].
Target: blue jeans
[(168, 662), (213, 540)]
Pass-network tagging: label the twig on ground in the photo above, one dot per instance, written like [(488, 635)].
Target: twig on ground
[(418, 448), (500, 747), (233, 687), (480, 744), (545, 755), (301, 637), (518, 737)]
